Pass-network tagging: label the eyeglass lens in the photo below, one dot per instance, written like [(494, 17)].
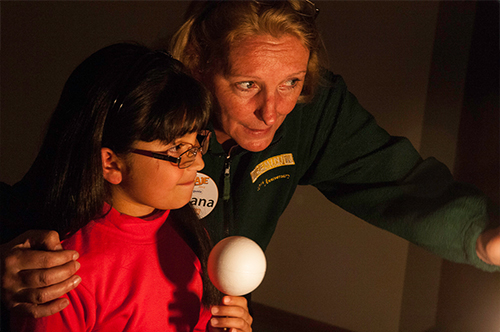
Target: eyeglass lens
[(188, 157)]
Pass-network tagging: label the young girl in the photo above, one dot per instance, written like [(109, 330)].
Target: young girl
[(115, 174)]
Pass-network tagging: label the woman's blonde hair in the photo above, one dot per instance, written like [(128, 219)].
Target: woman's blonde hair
[(203, 42)]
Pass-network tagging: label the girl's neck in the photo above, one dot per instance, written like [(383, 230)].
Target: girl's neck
[(152, 215), (138, 213)]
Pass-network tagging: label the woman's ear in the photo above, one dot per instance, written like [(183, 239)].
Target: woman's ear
[(112, 166)]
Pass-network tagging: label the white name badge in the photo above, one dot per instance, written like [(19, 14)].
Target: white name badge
[(205, 195)]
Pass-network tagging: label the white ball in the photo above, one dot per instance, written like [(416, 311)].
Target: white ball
[(236, 265)]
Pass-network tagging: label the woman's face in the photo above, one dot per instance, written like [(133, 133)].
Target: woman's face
[(261, 87), (149, 183)]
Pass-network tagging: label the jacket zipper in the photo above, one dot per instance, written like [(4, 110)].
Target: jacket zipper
[(227, 179), (227, 192)]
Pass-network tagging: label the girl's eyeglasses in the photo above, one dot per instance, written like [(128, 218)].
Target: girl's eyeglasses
[(187, 152)]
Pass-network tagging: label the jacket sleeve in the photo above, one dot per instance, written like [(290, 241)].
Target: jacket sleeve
[(383, 180)]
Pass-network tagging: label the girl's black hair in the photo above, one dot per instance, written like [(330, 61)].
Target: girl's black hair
[(121, 94)]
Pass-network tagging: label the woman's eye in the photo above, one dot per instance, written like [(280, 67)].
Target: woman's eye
[(246, 85), (291, 83)]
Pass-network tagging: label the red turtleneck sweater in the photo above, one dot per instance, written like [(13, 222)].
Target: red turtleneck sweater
[(137, 275)]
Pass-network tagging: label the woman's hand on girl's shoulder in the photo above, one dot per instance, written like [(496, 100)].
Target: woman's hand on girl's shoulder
[(36, 272)]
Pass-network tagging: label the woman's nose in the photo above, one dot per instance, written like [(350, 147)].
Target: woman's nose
[(267, 112)]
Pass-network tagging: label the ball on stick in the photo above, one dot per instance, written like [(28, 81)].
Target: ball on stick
[(236, 265)]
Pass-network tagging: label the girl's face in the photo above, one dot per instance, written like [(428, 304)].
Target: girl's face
[(148, 183)]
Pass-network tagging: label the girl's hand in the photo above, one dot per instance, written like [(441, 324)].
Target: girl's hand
[(231, 316)]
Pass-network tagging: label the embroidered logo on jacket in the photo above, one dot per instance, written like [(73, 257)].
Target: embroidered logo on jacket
[(271, 163)]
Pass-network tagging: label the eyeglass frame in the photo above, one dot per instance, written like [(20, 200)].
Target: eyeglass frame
[(315, 9), (203, 148)]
